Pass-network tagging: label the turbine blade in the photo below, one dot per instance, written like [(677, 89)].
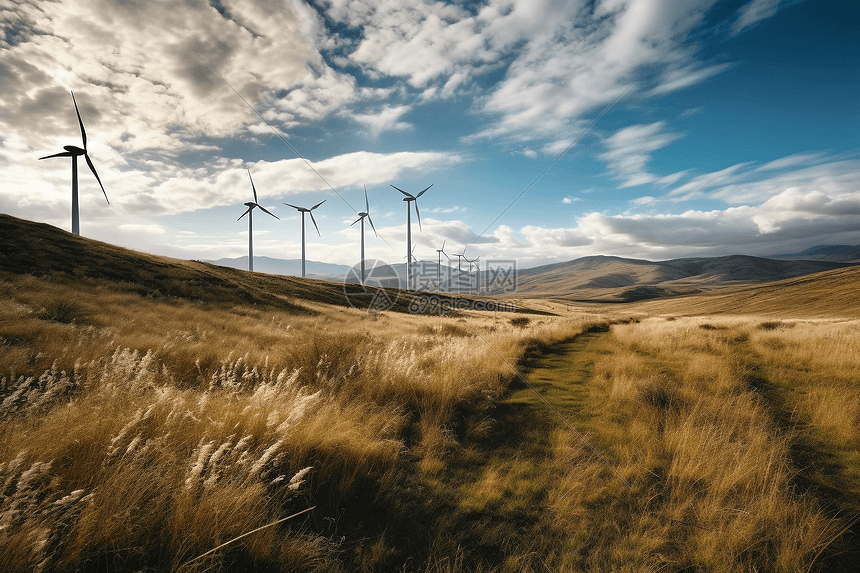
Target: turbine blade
[(372, 226), (443, 245), (245, 213), (93, 169), (293, 206), (417, 212), (83, 131), (318, 204), (354, 222), (254, 189), (315, 223), (446, 255), (424, 191), (366, 203), (402, 191), (61, 154), (267, 211)]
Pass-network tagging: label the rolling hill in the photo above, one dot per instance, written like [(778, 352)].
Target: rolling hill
[(828, 294), (47, 252), (615, 279)]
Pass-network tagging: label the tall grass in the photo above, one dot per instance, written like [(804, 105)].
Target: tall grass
[(140, 433), (679, 462)]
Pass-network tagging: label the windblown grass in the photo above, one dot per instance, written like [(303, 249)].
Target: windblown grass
[(139, 432)]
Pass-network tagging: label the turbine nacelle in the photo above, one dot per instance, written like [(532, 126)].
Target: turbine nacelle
[(304, 210)]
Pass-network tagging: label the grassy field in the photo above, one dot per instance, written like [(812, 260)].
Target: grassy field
[(153, 412)]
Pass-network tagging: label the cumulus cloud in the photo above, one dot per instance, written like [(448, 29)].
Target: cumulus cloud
[(386, 119), (143, 69)]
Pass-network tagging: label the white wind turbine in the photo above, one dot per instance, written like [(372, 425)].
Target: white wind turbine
[(410, 198), (251, 205), (478, 275), (361, 216), (460, 257), (74, 152), (439, 253), (304, 210)]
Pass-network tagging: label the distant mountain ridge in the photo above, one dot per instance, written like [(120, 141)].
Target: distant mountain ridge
[(289, 267), (836, 253)]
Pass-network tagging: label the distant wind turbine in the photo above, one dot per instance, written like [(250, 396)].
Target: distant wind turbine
[(251, 205), (304, 210), (460, 256), (478, 276), (361, 216), (410, 198), (75, 152), (439, 253)]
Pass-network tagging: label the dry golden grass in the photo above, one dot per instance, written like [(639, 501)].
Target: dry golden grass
[(141, 432), (681, 462)]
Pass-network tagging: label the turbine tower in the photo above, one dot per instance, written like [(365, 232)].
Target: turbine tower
[(361, 216), (74, 152), (251, 205), (304, 210), (439, 253), (409, 199)]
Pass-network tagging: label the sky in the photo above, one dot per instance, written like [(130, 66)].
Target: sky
[(549, 129)]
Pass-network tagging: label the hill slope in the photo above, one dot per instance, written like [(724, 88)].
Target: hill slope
[(829, 294), (622, 280), (44, 251)]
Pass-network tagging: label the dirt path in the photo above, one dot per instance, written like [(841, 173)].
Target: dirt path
[(571, 478), (502, 480)]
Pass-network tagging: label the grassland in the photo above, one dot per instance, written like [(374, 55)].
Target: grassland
[(152, 411)]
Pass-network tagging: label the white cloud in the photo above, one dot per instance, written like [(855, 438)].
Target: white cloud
[(563, 59), (743, 183), (753, 13), (569, 200), (675, 79), (629, 150), (387, 119), (697, 185), (145, 71)]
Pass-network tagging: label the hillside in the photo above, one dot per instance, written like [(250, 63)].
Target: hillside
[(829, 294), (45, 251), (615, 279)]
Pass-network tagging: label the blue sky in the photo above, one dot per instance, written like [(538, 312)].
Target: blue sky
[(737, 128)]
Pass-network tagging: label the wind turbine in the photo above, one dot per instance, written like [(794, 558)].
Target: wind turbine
[(304, 210), (439, 253), (361, 216), (460, 256), (250, 205), (74, 152), (409, 199), (478, 275)]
